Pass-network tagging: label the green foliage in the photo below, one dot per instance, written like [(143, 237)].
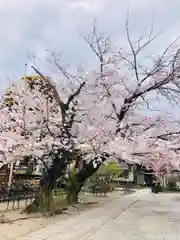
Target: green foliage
[(112, 169), (71, 175), (54, 202), (172, 184), (100, 182), (72, 186), (42, 203), (99, 185)]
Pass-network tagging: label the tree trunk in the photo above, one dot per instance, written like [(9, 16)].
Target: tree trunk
[(80, 177), (49, 180), (43, 198), (73, 193)]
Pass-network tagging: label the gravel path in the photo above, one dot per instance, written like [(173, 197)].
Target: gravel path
[(138, 216)]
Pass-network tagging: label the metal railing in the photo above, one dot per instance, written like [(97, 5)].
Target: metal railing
[(15, 199)]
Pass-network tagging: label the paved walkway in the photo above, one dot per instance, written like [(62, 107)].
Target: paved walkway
[(138, 216)]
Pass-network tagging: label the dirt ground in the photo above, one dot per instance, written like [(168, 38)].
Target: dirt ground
[(21, 224)]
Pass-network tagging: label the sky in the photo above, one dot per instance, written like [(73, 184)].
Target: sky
[(29, 27)]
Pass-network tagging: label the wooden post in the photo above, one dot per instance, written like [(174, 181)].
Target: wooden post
[(10, 175)]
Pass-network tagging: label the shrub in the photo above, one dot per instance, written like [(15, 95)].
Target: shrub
[(99, 184), (172, 184)]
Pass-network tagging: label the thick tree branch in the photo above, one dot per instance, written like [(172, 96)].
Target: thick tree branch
[(75, 94)]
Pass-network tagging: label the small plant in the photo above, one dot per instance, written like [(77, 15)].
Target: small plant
[(171, 184), (105, 188), (100, 184)]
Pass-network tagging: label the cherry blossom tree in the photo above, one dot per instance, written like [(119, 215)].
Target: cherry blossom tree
[(37, 122), (115, 110), (125, 117)]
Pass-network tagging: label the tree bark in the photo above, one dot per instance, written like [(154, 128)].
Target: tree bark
[(73, 192), (49, 180), (81, 176)]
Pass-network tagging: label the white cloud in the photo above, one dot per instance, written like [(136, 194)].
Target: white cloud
[(29, 27)]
